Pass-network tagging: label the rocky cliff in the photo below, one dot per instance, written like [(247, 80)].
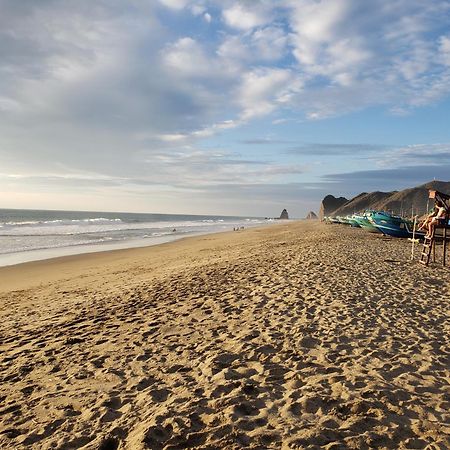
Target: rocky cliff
[(363, 201), (330, 204), (408, 202)]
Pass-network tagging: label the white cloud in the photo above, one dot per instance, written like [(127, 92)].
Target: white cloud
[(234, 50), (324, 39), (415, 155), (197, 10), (175, 4), (209, 167), (317, 22), (245, 18), (263, 90), (444, 49), (187, 57), (216, 128), (9, 105), (388, 50), (269, 43), (171, 137), (106, 88), (262, 46)]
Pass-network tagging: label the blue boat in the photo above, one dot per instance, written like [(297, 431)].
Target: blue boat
[(353, 220), (394, 226), (364, 222)]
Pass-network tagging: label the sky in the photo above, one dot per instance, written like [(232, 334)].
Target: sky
[(231, 107)]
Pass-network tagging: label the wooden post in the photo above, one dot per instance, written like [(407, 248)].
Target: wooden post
[(444, 244), (433, 243), (413, 240)]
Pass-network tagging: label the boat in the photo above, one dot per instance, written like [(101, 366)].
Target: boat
[(353, 221), (343, 220), (364, 222), (394, 226)]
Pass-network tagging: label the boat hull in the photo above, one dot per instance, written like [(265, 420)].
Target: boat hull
[(365, 224), (394, 226)]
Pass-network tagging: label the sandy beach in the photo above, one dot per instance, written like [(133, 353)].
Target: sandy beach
[(299, 335)]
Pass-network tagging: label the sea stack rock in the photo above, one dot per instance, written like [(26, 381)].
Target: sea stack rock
[(312, 216), (329, 204), (284, 214)]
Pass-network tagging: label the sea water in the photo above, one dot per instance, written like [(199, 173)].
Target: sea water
[(27, 235)]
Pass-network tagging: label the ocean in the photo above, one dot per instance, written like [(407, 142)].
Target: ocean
[(29, 235)]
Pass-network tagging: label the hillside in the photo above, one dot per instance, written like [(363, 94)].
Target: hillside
[(409, 201), (330, 204)]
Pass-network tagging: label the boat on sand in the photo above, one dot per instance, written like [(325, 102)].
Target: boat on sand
[(394, 226)]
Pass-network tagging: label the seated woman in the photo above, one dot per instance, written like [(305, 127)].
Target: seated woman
[(436, 218), (424, 224)]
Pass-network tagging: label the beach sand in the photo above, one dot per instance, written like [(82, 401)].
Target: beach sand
[(299, 335)]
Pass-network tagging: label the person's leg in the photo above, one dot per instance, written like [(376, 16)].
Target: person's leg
[(423, 225), (431, 226), (427, 221)]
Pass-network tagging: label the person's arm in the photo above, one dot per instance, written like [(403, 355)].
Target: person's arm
[(441, 213)]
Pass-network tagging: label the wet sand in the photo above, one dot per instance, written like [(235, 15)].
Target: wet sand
[(300, 335)]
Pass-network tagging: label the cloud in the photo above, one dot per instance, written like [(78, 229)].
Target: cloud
[(239, 16), (372, 54), (207, 167), (411, 155), (262, 91), (90, 62), (269, 43), (175, 4), (389, 179), (337, 150), (261, 46), (326, 42), (187, 57), (265, 141), (270, 199), (105, 91), (444, 49), (350, 184)]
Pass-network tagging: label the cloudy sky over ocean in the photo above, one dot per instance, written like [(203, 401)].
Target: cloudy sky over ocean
[(220, 106)]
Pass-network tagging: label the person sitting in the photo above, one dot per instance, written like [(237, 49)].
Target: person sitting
[(437, 218), (427, 220)]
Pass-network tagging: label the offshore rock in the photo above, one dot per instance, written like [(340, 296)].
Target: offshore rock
[(284, 214), (312, 216)]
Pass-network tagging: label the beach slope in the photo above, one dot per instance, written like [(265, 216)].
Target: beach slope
[(299, 335)]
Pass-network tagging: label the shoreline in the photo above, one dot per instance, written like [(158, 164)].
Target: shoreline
[(17, 258), (299, 335), (20, 275), (42, 254)]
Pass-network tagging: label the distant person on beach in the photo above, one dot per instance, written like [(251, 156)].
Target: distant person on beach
[(434, 218)]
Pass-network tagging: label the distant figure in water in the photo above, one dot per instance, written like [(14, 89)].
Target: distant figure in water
[(173, 231)]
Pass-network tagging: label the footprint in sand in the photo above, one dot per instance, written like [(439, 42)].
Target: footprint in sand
[(160, 395)]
